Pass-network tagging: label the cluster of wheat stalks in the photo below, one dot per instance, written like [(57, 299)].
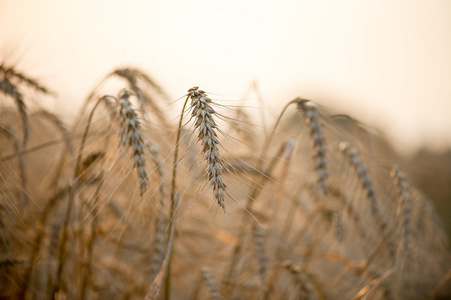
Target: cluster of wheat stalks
[(125, 204)]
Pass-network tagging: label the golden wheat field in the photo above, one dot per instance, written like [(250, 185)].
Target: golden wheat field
[(126, 202)]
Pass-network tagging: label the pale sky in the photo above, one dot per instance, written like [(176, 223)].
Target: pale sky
[(387, 63)]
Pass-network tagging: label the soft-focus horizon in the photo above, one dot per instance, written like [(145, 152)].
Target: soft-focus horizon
[(386, 63)]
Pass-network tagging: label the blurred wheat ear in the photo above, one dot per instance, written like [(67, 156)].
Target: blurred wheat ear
[(10, 82)]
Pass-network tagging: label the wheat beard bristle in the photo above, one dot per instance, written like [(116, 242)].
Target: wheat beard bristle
[(203, 114), (130, 133)]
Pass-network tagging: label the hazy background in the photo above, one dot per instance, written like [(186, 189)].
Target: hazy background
[(388, 63)]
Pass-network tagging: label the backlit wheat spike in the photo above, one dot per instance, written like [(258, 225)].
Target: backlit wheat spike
[(133, 74), (161, 222), (53, 239), (206, 275), (9, 79), (203, 113), (312, 119), (12, 73), (338, 225), (135, 79), (405, 208), (130, 133), (159, 243), (259, 248), (8, 88), (308, 289), (362, 173)]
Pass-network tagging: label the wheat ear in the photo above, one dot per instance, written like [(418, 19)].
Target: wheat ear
[(254, 191), (362, 173), (12, 73), (130, 133), (312, 119), (133, 76), (8, 88), (259, 248), (154, 289), (404, 208), (308, 288), (7, 74), (203, 114), (206, 275), (161, 221)]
